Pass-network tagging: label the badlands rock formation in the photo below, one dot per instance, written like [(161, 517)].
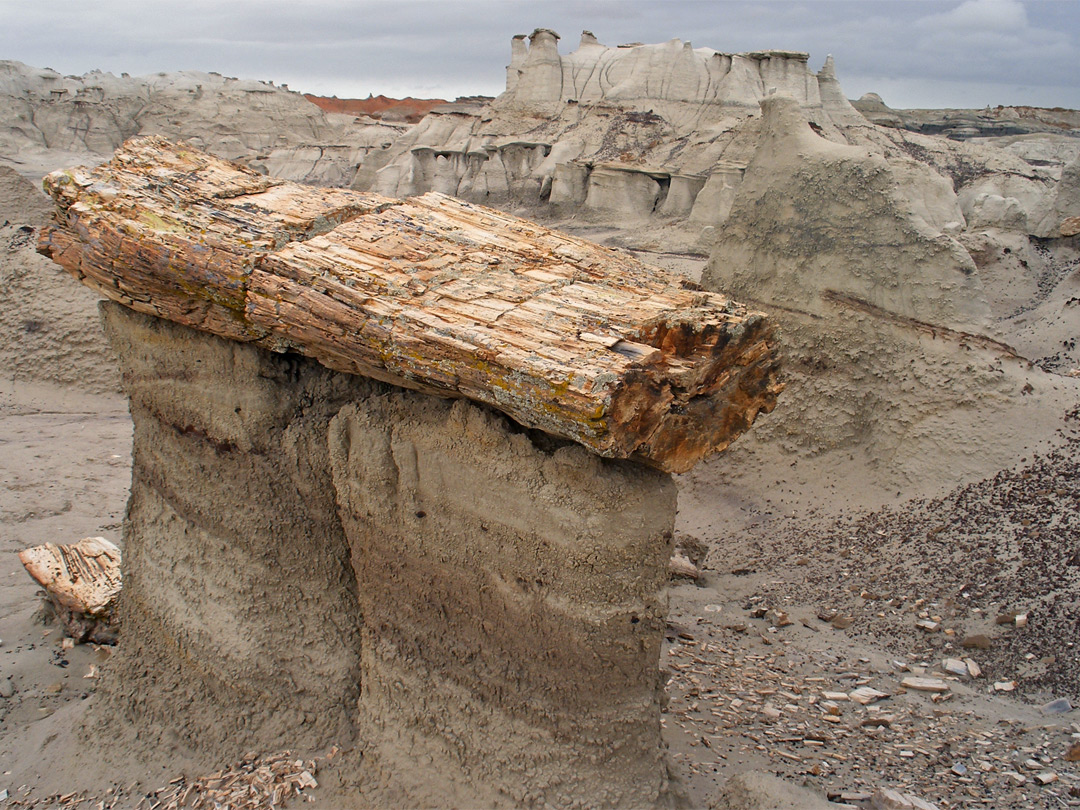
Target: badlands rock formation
[(321, 558), (662, 134), (814, 190), (886, 317), (1043, 136), (629, 131), (48, 120)]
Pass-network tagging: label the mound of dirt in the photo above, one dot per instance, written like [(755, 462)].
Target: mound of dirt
[(885, 321), (20, 202)]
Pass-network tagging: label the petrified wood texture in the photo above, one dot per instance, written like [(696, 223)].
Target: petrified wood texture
[(82, 580), (430, 293)]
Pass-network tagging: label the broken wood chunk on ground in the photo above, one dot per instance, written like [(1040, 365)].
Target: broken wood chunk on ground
[(82, 583)]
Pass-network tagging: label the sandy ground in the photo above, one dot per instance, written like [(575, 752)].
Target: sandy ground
[(66, 471), (814, 578), (801, 536)]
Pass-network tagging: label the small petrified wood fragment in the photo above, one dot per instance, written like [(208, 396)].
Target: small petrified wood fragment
[(432, 293), (82, 581)]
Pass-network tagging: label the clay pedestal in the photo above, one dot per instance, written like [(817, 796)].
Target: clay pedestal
[(312, 558)]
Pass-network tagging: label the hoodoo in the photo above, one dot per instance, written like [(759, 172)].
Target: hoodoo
[(453, 581)]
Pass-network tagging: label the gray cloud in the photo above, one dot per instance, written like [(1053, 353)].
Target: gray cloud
[(914, 52)]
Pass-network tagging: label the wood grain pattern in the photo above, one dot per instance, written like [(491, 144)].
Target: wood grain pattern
[(430, 293)]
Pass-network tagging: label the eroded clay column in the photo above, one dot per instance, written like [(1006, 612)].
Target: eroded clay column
[(473, 613), (240, 626), (513, 608)]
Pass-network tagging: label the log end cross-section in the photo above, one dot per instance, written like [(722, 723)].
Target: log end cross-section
[(431, 293)]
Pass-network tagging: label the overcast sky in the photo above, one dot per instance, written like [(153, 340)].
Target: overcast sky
[(914, 53)]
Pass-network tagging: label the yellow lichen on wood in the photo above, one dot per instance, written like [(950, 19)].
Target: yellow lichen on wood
[(431, 293)]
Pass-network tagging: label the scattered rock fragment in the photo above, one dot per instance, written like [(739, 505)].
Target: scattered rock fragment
[(925, 684), (1070, 226), (692, 548), (867, 694), (82, 581), (954, 666), (7, 689), (1059, 706), (973, 669), (777, 618), (1004, 686), (888, 799), (681, 567), (253, 782), (878, 721)]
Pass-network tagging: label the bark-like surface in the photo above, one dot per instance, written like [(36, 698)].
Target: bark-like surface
[(82, 582), (432, 293)]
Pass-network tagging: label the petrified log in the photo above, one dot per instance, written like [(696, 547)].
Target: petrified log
[(82, 581), (431, 293)]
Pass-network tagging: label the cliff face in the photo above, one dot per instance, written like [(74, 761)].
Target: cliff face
[(640, 135), (411, 578), (49, 120), (635, 130)]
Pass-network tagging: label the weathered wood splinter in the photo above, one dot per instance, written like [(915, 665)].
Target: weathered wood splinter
[(82, 581), (432, 293)]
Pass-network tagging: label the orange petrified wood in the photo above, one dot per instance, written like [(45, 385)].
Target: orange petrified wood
[(431, 293)]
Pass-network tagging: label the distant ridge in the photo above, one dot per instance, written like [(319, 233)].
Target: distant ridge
[(380, 107)]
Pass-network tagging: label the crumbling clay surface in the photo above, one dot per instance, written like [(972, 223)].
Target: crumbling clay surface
[(509, 593), (321, 558), (239, 615), (53, 322)]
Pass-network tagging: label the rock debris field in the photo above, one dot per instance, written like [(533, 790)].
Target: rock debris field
[(929, 647)]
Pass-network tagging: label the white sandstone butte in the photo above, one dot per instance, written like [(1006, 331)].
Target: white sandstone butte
[(633, 130)]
